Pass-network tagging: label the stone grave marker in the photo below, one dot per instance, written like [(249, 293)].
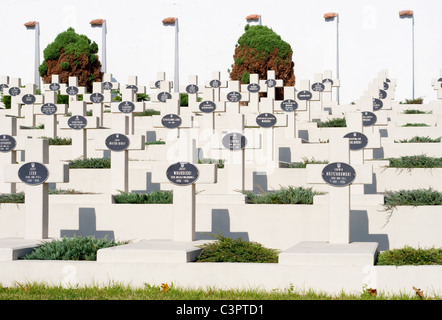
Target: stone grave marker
[(126, 108), (4, 84), (234, 97), (108, 86), (133, 84), (216, 84), (55, 85), (437, 85), (327, 95), (271, 83), (253, 88), (50, 109), (29, 99), (14, 91), (290, 105), (96, 101), (205, 112), (72, 89)]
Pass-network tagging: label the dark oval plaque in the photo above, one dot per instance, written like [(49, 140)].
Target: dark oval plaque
[(7, 143), (382, 94), (215, 83), (338, 174), (327, 80), (3, 86), (386, 86), (253, 87), (33, 173), (54, 86), (266, 120), (126, 107), (28, 99), (72, 90), (77, 122), (182, 173), (289, 105), (96, 97), (358, 140), (171, 121), (48, 109), (14, 91), (234, 96), (271, 83), (157, 84), (377, 104), (133, 87), (163, 96), (192, 88), (368, 118), (318, 86), (117, 142), (107, 85), (234, 141), (304, 95), (207, 106)]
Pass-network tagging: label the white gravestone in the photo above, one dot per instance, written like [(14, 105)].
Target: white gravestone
[(271, 83), (96, 101), (14, 91), (50, 111), (254, 88), (126, 108), (216, 84)]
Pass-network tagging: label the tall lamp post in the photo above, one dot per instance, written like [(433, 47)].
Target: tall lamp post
[(330, 17), (174, 21), (101, 23), (408, 14), (34, 25)]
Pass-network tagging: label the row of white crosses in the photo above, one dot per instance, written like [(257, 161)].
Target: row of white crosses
[(437, 85)]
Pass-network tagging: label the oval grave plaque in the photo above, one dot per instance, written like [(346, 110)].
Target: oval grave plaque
[(234, 141), (234, 96), (157, 84), (368, 118), (387, 80), (318, 86), (377, 104), (182, 173), (14, 91), (117, 142), (266, 120), (133, 87), (358, 140), (96, 97), (33, 173), (192, 88), (48, 109), (126, 107), (271, 83), (386, 86), (3, 86), (107, 85), (382, 94), (72, 90), (77, 122), (338, 174), (289, 105), (28, 99), (171, 121), (54, 86), (7, 143), (327, 80), (163, 96), (215, 83), (304, 95), (207, 106), (253, 87)]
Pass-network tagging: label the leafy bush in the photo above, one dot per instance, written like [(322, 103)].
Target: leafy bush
[(415, 111), (413, 101), (143, 198), (289, 195), (236, 250), (416, 161), (418, 139), (336, 122), (90, 163), (155, 142), (410, 256), (76, 248), (305, 162), (18, 197), (416, 197), (218, 162), (416, 125), (58, 141), (147, 113)]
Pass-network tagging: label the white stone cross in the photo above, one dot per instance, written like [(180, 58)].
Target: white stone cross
[(234, 97), (96, 100), (206, 110), (339, 177), (133, 84), (216, 84), (28, 100), (193, 89), (305, 95), (72, 89), (161, 76), (108, 87), (271, 84), (37, 173), (437, 85), (50, 109), (184, 174), (14, 90), (126, 108), (327, 95), (4, 84), (291, 106), (254, 88), (55, 84), (79, 124)]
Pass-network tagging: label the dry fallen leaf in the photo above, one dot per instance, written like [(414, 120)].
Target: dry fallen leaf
[(419, 292)]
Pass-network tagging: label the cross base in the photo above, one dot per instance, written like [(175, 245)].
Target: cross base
[(152, 251), (330, 254)]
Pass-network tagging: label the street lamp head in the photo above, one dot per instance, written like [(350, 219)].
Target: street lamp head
[(330, 15), (169, 20), (97, 22), (405, 13), (30, 24), (253, 17)]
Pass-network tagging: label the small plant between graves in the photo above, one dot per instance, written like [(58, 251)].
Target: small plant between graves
[(415, 111), (58, 141), (76, 248), (410, 256), (415, 161), (332, 123), (418, 139), (286, 195), (416, 125), (236, 250), (165, 197), (19, 197), (218, 162), (90, 163), (305, 162), (416, 197), (419, 100)]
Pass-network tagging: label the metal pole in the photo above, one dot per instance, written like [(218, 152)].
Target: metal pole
[(337, 54), (37, 56), (176, 81), (103, 37), (412, 49)]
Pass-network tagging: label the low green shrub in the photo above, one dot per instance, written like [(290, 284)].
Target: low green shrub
[(19, 197), (416, 125), (305, 162), (331, 123), (415, 161), (415, 111), (76, 248), (410, 256), (218, 162), (147, 113), (413, 101), (288, 195), (236, 250), (417, 139), (90, 163), (58, 141), (144, 198), (415, 197), (155, 142)]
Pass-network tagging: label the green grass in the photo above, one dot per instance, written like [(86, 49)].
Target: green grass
[(415, 161), (415, 197), (155, 142), (419, 100), (305, 162), (410, 256), (218, 162), (416, 125), (332, 123), (58, 141), (143, 198), (19, 197), (286, 195), (415, 111), (147, 113), (90, 163), (417, 139)]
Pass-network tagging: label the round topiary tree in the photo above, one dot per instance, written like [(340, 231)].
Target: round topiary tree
[(260, 49), (72, 55)]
